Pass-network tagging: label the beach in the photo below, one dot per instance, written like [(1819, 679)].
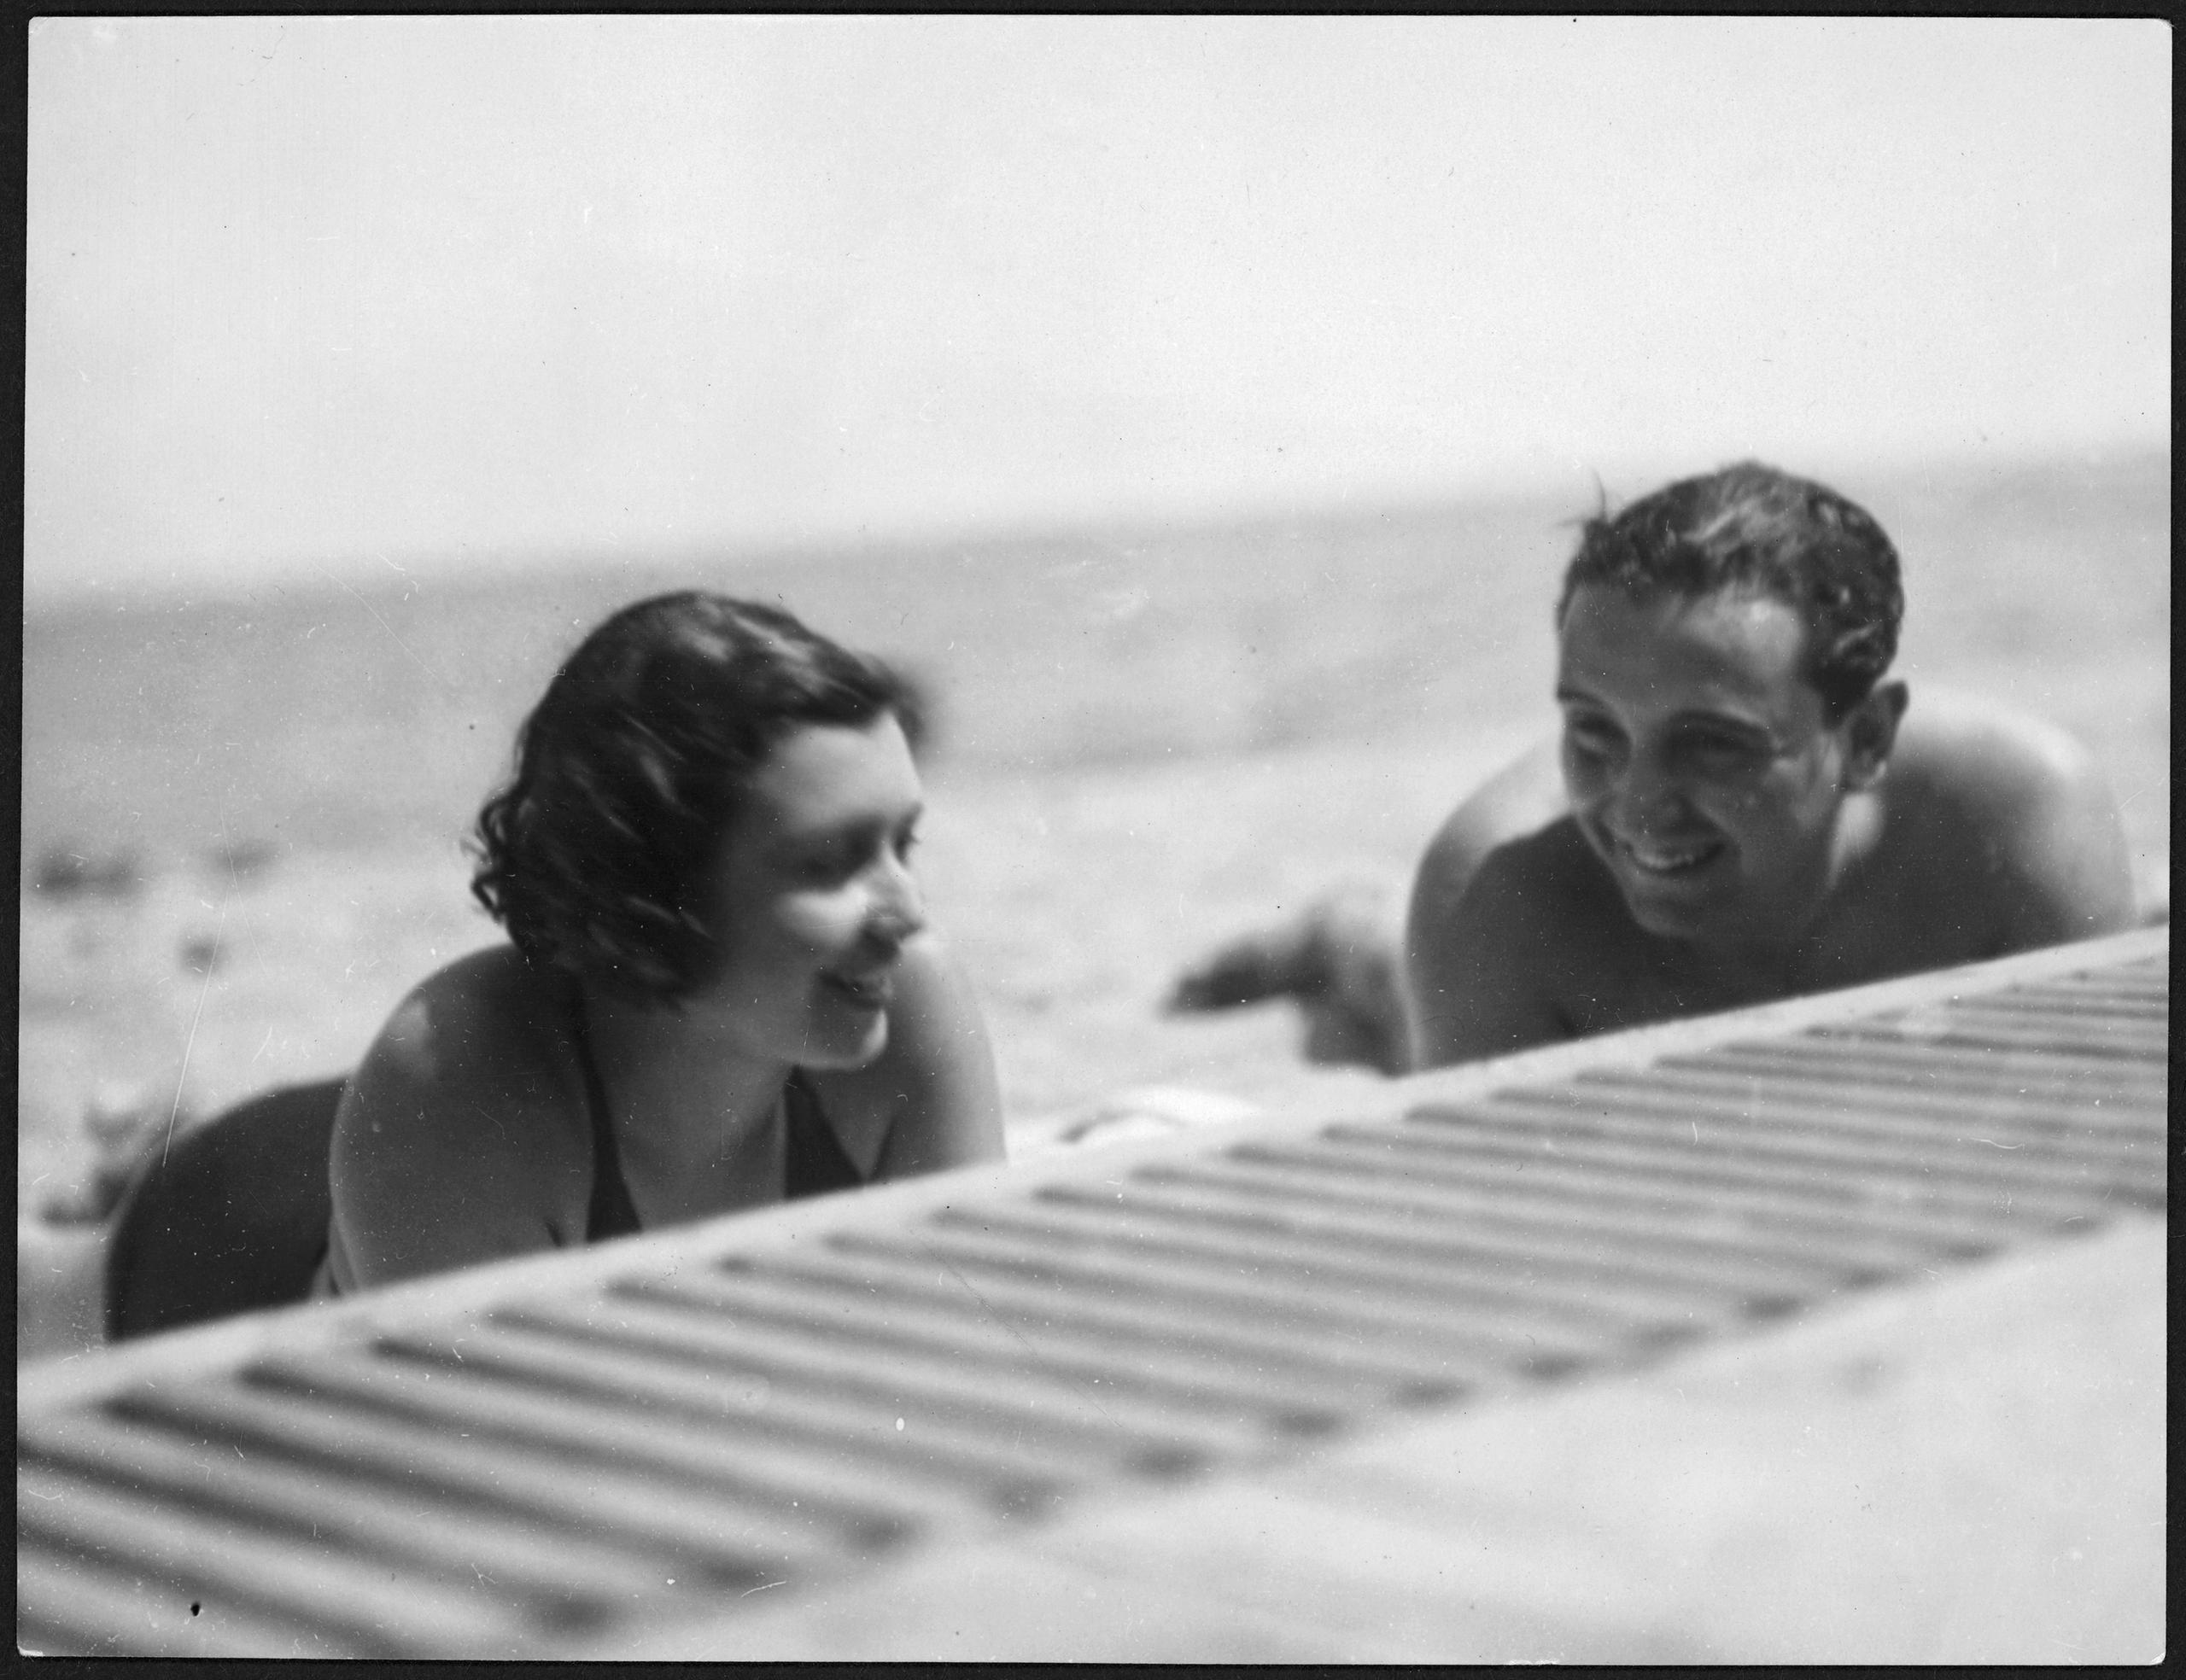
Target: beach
[(1146, 742)]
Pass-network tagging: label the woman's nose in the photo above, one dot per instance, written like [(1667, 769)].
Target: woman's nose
[(899, 909)]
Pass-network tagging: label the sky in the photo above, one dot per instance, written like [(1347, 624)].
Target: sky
[(340, 295)]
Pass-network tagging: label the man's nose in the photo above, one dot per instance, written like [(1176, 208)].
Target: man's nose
[(1648, 797)]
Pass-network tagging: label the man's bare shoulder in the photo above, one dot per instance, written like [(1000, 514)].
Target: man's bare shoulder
[(1990, 801), (1508, 911), (1974, 758), (1523, 799)]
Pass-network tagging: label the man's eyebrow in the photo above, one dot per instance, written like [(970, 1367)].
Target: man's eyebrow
[(1726, 721)]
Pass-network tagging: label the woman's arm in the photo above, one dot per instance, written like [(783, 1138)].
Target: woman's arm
[(930, 1099)]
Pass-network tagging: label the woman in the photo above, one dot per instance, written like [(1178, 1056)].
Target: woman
[(720, 990)]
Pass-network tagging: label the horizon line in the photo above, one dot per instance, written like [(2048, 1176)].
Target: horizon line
[(334, 574)]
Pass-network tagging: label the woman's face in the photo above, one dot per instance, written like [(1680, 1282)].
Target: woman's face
[(813, 898)]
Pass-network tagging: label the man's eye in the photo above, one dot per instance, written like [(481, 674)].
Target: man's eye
[(1590, 735), (1721, 754)]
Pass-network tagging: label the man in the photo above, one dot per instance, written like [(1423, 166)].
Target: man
[(1743, 806)]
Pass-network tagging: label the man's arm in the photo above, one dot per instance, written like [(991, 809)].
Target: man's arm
[(1473, 984), (1474, 935)]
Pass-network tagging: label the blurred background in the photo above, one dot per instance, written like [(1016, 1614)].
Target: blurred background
[(1201, 406), (372, 298)]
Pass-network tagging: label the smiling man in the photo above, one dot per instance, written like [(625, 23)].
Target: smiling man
[(1742, 806)]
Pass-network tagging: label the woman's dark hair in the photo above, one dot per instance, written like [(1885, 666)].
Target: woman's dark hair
[(1751, 527), (597, 854)]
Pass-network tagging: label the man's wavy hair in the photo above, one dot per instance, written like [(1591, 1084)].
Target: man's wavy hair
[(597, 854), (1751, 528)]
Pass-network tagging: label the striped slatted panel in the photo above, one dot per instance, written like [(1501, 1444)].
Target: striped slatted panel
[(532, 1458)]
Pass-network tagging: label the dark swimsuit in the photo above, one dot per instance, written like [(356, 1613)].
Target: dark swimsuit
[(815, 1162)]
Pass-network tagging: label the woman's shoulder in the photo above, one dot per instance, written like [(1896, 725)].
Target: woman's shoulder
[(462, 1134), (487, 1038), (482, 1006)]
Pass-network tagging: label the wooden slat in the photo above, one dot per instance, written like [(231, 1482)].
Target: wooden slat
[(382, 1608), (736, 1545), (1550, 1237), (1800, 1135), (73, 1604), (1856, 1104), (686, 1347), (565, 1568)]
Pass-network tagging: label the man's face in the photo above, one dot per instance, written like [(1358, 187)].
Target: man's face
[(1699, 764)]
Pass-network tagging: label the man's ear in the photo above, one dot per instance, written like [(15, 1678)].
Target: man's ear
[(1870, 733)]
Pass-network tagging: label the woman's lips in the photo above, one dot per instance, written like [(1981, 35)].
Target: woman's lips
[(867, 991)]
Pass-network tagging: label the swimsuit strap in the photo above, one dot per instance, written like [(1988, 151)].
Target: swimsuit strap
[(611, 1213), (815, 1163)]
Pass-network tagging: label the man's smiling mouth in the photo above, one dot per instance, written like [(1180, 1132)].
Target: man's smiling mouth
[(1652, 858)]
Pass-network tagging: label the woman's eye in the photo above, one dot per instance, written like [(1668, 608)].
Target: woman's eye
[(1590, 735), (828, 865)]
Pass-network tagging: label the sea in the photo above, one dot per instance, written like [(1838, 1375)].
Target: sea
[(316, 714)]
